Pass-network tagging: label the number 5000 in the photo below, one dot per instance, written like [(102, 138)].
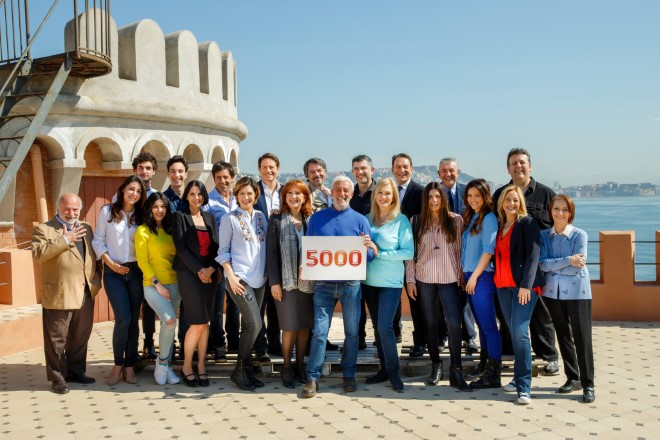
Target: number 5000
[(339, 258)]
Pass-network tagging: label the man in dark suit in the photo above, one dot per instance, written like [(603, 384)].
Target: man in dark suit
[(269, 202), (537, 199), (70, 281), (448, 172), (410, 194)]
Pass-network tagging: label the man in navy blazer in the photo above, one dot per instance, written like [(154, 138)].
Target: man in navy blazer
[(410, 194), (448, 172), (269, 202)]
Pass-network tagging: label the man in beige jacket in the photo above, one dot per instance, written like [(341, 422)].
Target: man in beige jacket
[(70, 281)]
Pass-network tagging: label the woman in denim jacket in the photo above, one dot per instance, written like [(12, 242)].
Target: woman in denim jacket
[(567, 293)]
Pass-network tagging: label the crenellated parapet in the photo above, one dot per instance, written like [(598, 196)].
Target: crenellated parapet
[(166, 94)]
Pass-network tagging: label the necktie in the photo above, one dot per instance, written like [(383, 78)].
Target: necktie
[(451, 200)]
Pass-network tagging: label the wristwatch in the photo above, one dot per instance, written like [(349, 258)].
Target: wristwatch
[(155, 282)]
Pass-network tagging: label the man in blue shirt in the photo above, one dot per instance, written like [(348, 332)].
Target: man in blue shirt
[(177, 172), (222, 201), (337, 221)]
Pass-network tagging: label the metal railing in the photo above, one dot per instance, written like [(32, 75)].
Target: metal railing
[(97, 35), (93, 37), (598, 264)]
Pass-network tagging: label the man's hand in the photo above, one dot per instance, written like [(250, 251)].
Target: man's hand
[(76, 234)]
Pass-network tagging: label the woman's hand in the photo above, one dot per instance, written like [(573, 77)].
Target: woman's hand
[(370, 244), (411, 288), (276, 290), (471, 285), (235, 284), (163, 291), (524, 296), (116, 267), (577, 260), (205, 274)]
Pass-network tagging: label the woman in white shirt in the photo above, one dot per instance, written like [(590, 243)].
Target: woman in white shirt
[(242, 254), (114, 244)]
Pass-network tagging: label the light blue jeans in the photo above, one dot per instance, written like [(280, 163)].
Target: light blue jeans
[(517, 317), (165, 310), (326, 294)]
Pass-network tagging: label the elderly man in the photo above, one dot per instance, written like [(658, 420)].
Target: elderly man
[(337, 221), (70, 281), (537, 199)]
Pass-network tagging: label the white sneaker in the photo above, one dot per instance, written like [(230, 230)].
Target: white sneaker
[(524, 399), (510, 387), (160, 373), (172, 377)]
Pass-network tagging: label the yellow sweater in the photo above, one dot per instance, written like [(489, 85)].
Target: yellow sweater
[(155, 253)]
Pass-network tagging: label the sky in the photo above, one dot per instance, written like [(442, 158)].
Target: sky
[(577, 83)]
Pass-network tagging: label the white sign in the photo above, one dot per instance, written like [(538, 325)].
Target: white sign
[(334, 258)]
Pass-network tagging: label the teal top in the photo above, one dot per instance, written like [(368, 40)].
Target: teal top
[(395, 245)]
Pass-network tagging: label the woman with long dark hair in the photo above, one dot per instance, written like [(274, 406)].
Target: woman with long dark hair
[(154, 248), (114, 244), (435, 275), (293, 296), (393, 239), (567, 293), (479, 235), (196, 241), (242, 254), (518, 280)]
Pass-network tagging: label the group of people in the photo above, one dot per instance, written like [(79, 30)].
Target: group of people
[(462, 255)]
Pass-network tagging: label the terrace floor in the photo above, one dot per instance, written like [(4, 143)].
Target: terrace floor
[(626, 406)]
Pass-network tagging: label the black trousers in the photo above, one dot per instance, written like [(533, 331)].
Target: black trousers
[(542, 332), (572, 321), (66, 333), (269, 335)]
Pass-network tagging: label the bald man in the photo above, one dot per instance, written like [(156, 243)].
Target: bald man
[(63, 247)]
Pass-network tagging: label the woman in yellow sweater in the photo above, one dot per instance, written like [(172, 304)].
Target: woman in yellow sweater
[(155, 252)]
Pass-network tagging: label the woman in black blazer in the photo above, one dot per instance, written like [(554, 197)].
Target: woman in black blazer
[(518, 281), (196, 240)]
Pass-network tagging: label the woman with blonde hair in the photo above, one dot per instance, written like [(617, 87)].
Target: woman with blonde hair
[(392, 235), (518, 280)]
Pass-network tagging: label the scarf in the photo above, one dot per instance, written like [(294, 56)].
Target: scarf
[(289, 250)]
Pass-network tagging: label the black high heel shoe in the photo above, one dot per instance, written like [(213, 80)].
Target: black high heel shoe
[(203, 381), (288, 378), (190, 379)]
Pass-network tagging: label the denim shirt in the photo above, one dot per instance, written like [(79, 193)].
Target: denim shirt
[(563, 281), (474, 246)]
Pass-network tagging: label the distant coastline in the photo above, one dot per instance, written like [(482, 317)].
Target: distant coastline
[(427, 173)]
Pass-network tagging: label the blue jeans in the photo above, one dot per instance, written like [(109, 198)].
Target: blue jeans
[(482, 304), (166, 310), (249, 305), (383, 303), (517, 317), (125, 295), (326, 294), (449, 295)]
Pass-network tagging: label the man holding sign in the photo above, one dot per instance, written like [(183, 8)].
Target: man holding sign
[(339, 220)]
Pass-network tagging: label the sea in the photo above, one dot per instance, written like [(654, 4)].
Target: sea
[(641, 214)]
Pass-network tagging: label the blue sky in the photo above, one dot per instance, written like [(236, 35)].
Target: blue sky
[(575, 82)]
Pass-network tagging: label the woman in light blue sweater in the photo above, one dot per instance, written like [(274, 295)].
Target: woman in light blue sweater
[(567, 293), (392, 234)]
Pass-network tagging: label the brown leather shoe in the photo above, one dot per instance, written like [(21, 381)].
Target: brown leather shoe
[(60, 387), (310, 388)]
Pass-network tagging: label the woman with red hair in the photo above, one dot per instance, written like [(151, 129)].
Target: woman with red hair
[(293, 299)]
